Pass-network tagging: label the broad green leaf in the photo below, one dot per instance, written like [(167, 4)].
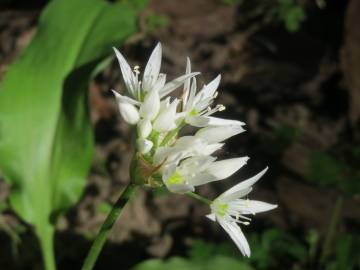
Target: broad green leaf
[(46, 139), (176, 263)]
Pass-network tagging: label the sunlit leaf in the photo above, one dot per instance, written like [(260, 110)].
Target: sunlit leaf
[(46, 139), (176, 263)]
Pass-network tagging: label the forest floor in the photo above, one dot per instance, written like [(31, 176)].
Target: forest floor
[(293, 90)]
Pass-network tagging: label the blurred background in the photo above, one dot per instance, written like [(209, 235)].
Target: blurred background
[(290, 70)]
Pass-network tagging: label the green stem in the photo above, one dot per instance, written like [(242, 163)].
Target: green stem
[(198, 197), (47, 246), (335, 218), (107, 226)]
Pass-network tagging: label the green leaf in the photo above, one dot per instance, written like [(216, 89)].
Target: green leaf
[(202, 250), (46, 140), (312, 239), (291, 13), (154, 22), (324, 170), (274, 246), (176, 263), (202, 256), (294, 17), (347, 252)]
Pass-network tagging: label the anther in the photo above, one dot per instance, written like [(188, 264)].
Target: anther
[(221, 107)]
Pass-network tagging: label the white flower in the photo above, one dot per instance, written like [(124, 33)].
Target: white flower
[(197, 107), (184, 147), (199, 170), (186, 162), (167, 116), (142, 106), (230, 210), (152, 78), (205, 142)]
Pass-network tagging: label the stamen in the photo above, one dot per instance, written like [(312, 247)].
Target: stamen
[(136, 68), (230, 218), (218, 108)]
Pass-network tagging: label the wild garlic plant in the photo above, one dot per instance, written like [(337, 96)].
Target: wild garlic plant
[(181, 163)]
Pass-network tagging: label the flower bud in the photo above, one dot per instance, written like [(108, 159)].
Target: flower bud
[(144, 128), (144, 145), (129, 113), (127, 109)]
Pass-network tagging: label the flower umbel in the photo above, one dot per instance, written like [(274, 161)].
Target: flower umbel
[(182, 163)]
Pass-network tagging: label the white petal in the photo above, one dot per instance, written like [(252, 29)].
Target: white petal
[(218, 133), (189, 104), (254, 207), (144, 128), (197, 120), (225, 168), (239, 194), (211, 148), (162, 153), (196, 164), (201, 179), (166, 119), (236, 235), (152, 69), (171, 86), (186, 141), (129, 113), (184, 147), (180, 188), (144, 145), (215, 121), (187, 83), (196, 146), (130, 79), (211, 217), (209, 90), (168, 171), (235, 191), (160, 82), (125, 99), (151, 105)]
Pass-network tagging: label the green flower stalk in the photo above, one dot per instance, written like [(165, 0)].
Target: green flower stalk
[(102, 236)]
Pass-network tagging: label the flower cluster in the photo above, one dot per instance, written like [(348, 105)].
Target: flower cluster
[(183, 163)]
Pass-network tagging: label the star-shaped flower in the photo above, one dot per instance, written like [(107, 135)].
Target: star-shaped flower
[(230, 210)]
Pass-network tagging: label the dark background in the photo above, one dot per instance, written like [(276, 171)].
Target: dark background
[(290, 71)]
